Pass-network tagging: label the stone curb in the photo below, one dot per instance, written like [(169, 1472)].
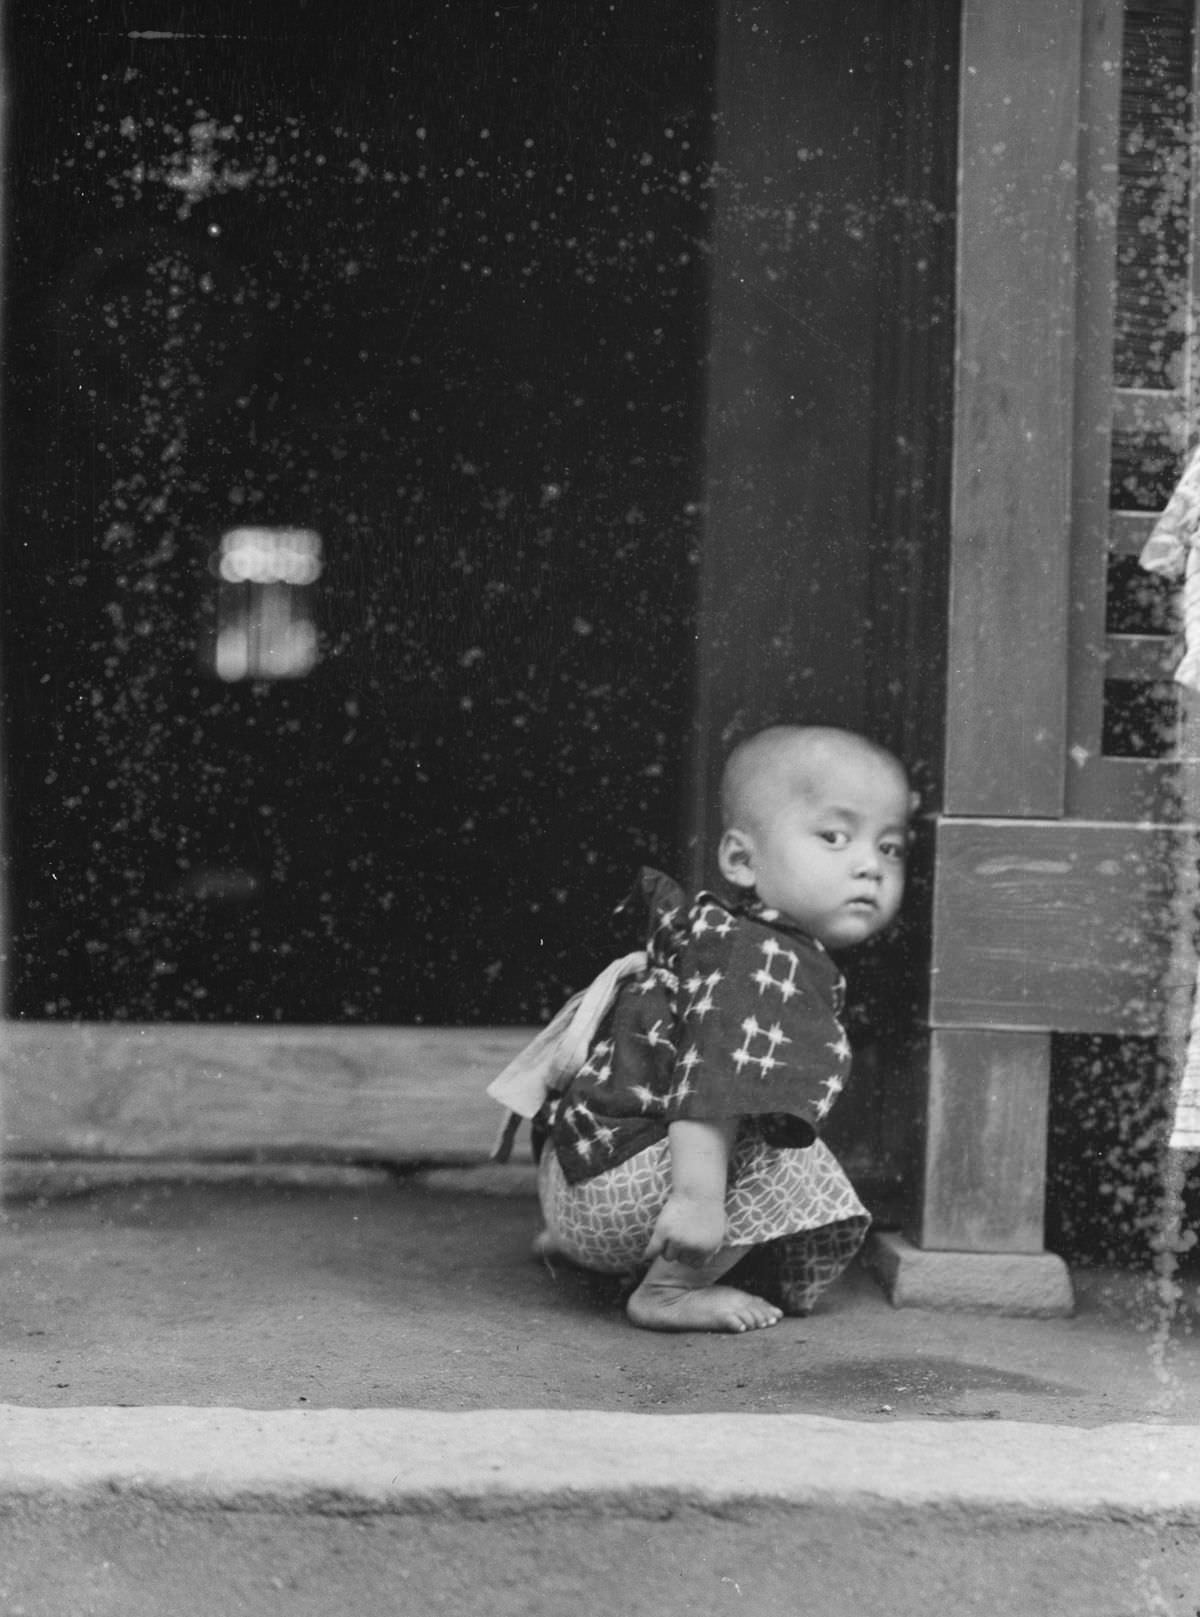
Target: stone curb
[(498, 1462)]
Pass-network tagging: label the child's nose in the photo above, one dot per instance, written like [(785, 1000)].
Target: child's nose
[(870, 863)]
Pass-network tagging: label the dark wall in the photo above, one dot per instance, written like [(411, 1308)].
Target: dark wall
[(823, 593), (791, 416)]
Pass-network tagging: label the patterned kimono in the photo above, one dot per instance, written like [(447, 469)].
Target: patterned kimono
[(734, 1014)]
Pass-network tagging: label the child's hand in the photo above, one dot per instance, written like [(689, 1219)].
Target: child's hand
[(688, 1231)]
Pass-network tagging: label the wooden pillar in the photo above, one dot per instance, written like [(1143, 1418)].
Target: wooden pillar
[(982, 1186), (1006, 734), (1013, 440), (985, 1091)]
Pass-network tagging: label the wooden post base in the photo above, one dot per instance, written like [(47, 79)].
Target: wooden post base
[(1036, 1284)]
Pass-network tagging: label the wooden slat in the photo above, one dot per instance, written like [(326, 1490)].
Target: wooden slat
[(1162, 414), (1141, 656), (1062, 927), (1006, 730), (1129, 530), (176, 1090)]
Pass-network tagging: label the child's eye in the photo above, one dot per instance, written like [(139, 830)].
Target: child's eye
[(893, 848), (835, 839)]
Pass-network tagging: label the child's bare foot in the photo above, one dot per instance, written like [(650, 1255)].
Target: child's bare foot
[(659, 1305)]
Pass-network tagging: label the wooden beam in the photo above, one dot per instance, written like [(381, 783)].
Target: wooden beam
[(1062, 926), (181, 1090), (1011, 508)]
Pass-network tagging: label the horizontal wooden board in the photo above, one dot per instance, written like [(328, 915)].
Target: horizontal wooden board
[(1160, 411), (1128, 531), (1060, 926), (1142, 656), (181, 1090)]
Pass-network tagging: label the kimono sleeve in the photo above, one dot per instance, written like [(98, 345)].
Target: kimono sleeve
[(756, 1030)]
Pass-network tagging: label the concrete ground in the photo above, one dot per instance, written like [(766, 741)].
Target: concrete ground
[(361, 1289), (318, 1390)]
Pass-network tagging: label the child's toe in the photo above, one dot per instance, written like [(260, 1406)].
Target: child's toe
[(757, 1315)]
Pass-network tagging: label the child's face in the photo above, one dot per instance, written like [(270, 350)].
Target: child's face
[(830, 858)]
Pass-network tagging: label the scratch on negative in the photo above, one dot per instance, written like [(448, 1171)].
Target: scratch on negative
[(1024, 867)]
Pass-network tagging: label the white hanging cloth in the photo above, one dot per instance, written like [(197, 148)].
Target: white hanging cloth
[(556, 1054), (1173, 551)]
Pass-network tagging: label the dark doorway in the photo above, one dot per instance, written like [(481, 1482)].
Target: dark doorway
[(424, 284)]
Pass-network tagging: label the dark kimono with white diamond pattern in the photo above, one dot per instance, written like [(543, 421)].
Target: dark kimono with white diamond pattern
[(735, 1015)]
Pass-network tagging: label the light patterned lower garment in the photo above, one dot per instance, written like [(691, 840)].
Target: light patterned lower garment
[(795, 1207)]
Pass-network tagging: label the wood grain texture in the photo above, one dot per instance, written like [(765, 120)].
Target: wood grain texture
[(226, 1091), (1055, 925), (1011, 505), (984, 1163)]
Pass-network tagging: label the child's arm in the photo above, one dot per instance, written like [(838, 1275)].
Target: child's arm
[(691, 1227)]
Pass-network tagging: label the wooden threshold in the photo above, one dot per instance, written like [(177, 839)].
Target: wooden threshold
[(377, 1094)]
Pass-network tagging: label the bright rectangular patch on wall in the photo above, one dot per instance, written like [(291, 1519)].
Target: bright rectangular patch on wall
[(265, 627)]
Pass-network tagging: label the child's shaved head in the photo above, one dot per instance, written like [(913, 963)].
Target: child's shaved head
[(788, 760), (817, 829)]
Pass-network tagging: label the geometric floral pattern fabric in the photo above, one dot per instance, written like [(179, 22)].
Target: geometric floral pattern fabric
[(735, 1015), (793, 1272), (795, 1205)]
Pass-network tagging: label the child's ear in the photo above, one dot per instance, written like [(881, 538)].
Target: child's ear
[(735, 858)]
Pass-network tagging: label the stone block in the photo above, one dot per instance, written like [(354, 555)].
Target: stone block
[(1025, 1283)]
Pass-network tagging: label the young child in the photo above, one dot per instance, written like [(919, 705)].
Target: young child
[(686, 1139)]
